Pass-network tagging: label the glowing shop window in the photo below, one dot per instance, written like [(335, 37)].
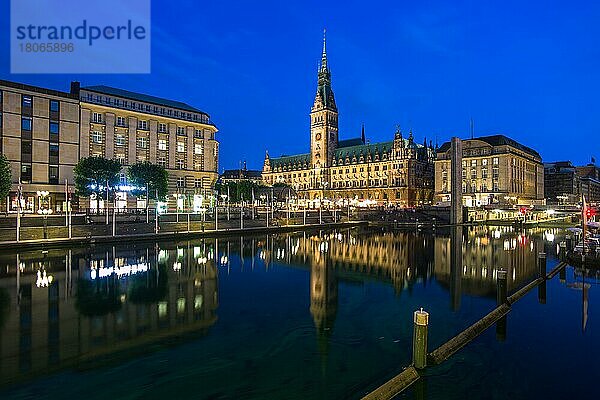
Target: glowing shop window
[(198, 302), (180, 305), (162, 309)]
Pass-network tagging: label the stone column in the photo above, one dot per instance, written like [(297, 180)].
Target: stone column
[(456, 207)]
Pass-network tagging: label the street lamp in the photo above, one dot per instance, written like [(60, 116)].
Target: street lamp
[(45, 211)]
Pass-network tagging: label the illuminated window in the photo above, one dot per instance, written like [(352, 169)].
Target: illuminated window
[(198, 148), (162, 144), (97, 137), (142, 143), (120, 140), (180, 147)]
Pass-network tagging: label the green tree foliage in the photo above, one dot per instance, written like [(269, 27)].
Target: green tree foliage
[(152, 176), (4, 306), (92, 174), (98, 298), (238, 190), (150, 288), (5, 176)]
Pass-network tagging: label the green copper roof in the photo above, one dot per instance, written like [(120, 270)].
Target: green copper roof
[(287, 160)]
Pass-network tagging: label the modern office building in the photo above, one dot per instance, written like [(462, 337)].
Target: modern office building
[(132, 127), (399, 171), (589, 182), (39, 134), (564, 183), (561, 184), (44, 133), (495, 170)]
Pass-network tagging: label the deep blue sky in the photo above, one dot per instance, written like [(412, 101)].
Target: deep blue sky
[(527, 69)]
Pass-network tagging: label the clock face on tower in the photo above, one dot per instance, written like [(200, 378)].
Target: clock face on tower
[(318, 136)]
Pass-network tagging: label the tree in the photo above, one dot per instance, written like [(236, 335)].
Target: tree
[(149, 178), (5, 177), (93, 173)]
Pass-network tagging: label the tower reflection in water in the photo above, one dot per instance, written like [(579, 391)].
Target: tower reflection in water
[(62, 307)]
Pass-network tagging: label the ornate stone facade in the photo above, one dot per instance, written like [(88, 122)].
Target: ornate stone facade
[(399, 171)]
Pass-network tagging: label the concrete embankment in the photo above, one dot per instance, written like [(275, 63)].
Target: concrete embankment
[(164, 236)]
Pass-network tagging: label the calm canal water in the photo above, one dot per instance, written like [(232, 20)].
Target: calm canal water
[(308, 315)]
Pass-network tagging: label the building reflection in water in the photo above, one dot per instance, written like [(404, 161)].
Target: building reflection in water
[(62, 307), (66, 308)]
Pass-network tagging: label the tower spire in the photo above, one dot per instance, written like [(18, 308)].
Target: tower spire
[(324, 54)]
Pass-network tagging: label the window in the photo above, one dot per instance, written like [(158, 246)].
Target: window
[(181, 130), (141, 157), (53, 175), (198, 148), (142, 143), (180, 164), (197, 166), (143, 125), (96, 137), (26, 173), (26, 150), (53, 153), (484, 162), (121, 121), (120, 140), (180, 182), (121, 159), (162, 162), (162, 144), (198, 182), (180, 147), (26, 124), (27, 102), (162, 128), (54, 105), (54, 128), (495, 160), (97, 117), (484, 173), (199, 134)]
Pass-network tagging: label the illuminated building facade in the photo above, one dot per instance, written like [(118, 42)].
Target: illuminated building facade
[(132, 127), (399, 171), (495, 170), (44, 133), (39, 135)]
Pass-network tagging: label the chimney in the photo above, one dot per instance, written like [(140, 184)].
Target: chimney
[(75, 86)]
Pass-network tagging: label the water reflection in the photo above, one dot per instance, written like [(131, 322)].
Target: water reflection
[(65, 307)]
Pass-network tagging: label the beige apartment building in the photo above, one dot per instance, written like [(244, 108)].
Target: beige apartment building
[(495, 170), (44, 133), (132, 127), (39, 134)]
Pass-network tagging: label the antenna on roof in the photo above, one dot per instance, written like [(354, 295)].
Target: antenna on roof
[(472, 128)]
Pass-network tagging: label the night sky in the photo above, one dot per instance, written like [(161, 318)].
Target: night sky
[(527, 69)]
